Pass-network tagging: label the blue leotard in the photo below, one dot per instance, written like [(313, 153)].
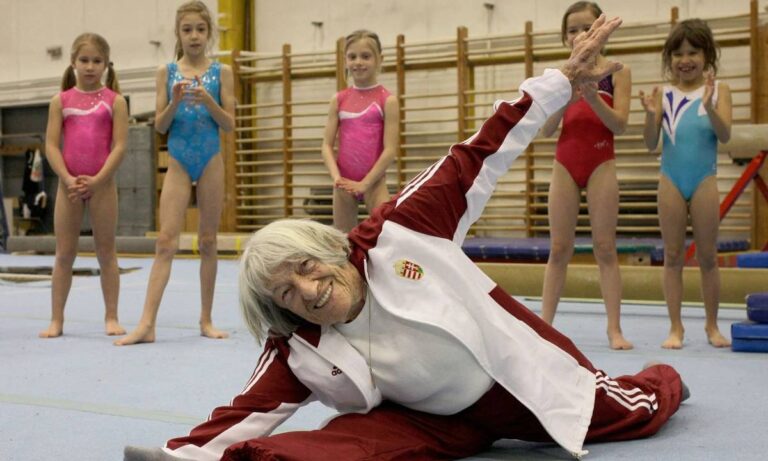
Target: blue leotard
[(689, 153), (193, 137)]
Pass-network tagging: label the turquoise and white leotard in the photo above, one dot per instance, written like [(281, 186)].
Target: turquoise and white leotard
[(193, 137), (689, 153)]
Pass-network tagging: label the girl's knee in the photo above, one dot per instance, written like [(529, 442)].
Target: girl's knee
[(207, 244), (605, 251), (560, 252), (166, 245), (674, 257)]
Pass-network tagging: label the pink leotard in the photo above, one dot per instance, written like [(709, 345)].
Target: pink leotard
[(361, 130), (87, 129), (585, 142)]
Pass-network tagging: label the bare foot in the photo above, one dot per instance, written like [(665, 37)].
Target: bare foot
[(716, 339), (55, 329), (618, 342), (113, 328), (209, 331), (142, 334), (673, 341)]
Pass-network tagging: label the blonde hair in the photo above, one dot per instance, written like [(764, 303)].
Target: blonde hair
[(287, 241), (192, 6), (69, 79), (371, 38)]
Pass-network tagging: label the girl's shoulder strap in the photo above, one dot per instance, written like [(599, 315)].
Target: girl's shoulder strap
[(65, 95), (342, 95)]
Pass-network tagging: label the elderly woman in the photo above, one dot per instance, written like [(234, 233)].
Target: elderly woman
[(422, 354)]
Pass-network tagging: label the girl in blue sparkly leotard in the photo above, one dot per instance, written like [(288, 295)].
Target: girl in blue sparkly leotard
[(694, 112), (195, 98)]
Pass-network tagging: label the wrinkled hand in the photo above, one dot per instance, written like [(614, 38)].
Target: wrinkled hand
[(351, 187), (581, 66), (709, 90), (650, 101)]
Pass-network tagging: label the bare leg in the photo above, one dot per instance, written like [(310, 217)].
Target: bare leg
[(344, 210), (705, 218), (210, 201), (67, 217), (564, 199), (103, 207), (603, 200), (377, 194), (673, 217), (174, 199)]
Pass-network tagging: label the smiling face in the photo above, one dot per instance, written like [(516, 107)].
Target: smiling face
[(362, 62), (193, 32), (688, 64), (319, 293), (576, 23), (89, 64)]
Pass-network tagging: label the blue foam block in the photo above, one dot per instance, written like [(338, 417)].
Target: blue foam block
[(753, 260), (749, 330), (749, 345), (757, 307)]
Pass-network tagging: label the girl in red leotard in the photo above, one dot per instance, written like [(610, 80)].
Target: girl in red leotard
[(585, 159)]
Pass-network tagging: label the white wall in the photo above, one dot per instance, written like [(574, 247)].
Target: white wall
[(29, 75), (290, 21)]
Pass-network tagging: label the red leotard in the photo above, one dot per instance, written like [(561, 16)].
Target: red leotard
[(585, 142)]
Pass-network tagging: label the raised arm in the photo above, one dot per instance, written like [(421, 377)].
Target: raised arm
[(613, 117), (653, 113), (448, 197), (721, 113)]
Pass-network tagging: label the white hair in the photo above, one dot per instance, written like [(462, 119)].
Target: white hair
[(287, 241)]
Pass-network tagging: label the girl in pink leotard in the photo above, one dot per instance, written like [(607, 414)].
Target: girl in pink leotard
[(92, 118), (366, 118), (585, 160)]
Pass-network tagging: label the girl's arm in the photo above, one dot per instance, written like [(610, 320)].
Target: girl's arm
[(329, 139), (224, 115), (721, 115), (164, 111), (550, 126), (391, 141), (119, 140), (614, 118), (652, 105), (53, 148)]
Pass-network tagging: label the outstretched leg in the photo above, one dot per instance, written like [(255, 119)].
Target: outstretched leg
[(174, 199)]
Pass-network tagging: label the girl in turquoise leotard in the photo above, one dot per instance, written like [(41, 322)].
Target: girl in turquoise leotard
[(695, 113), (195, 97)]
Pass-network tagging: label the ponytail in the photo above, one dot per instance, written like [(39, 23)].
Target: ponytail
[(179, 51), (112, 78), (68, 80)]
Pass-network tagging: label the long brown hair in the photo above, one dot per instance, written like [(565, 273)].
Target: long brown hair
[(69, 79), (699, 35), (192, 6)]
